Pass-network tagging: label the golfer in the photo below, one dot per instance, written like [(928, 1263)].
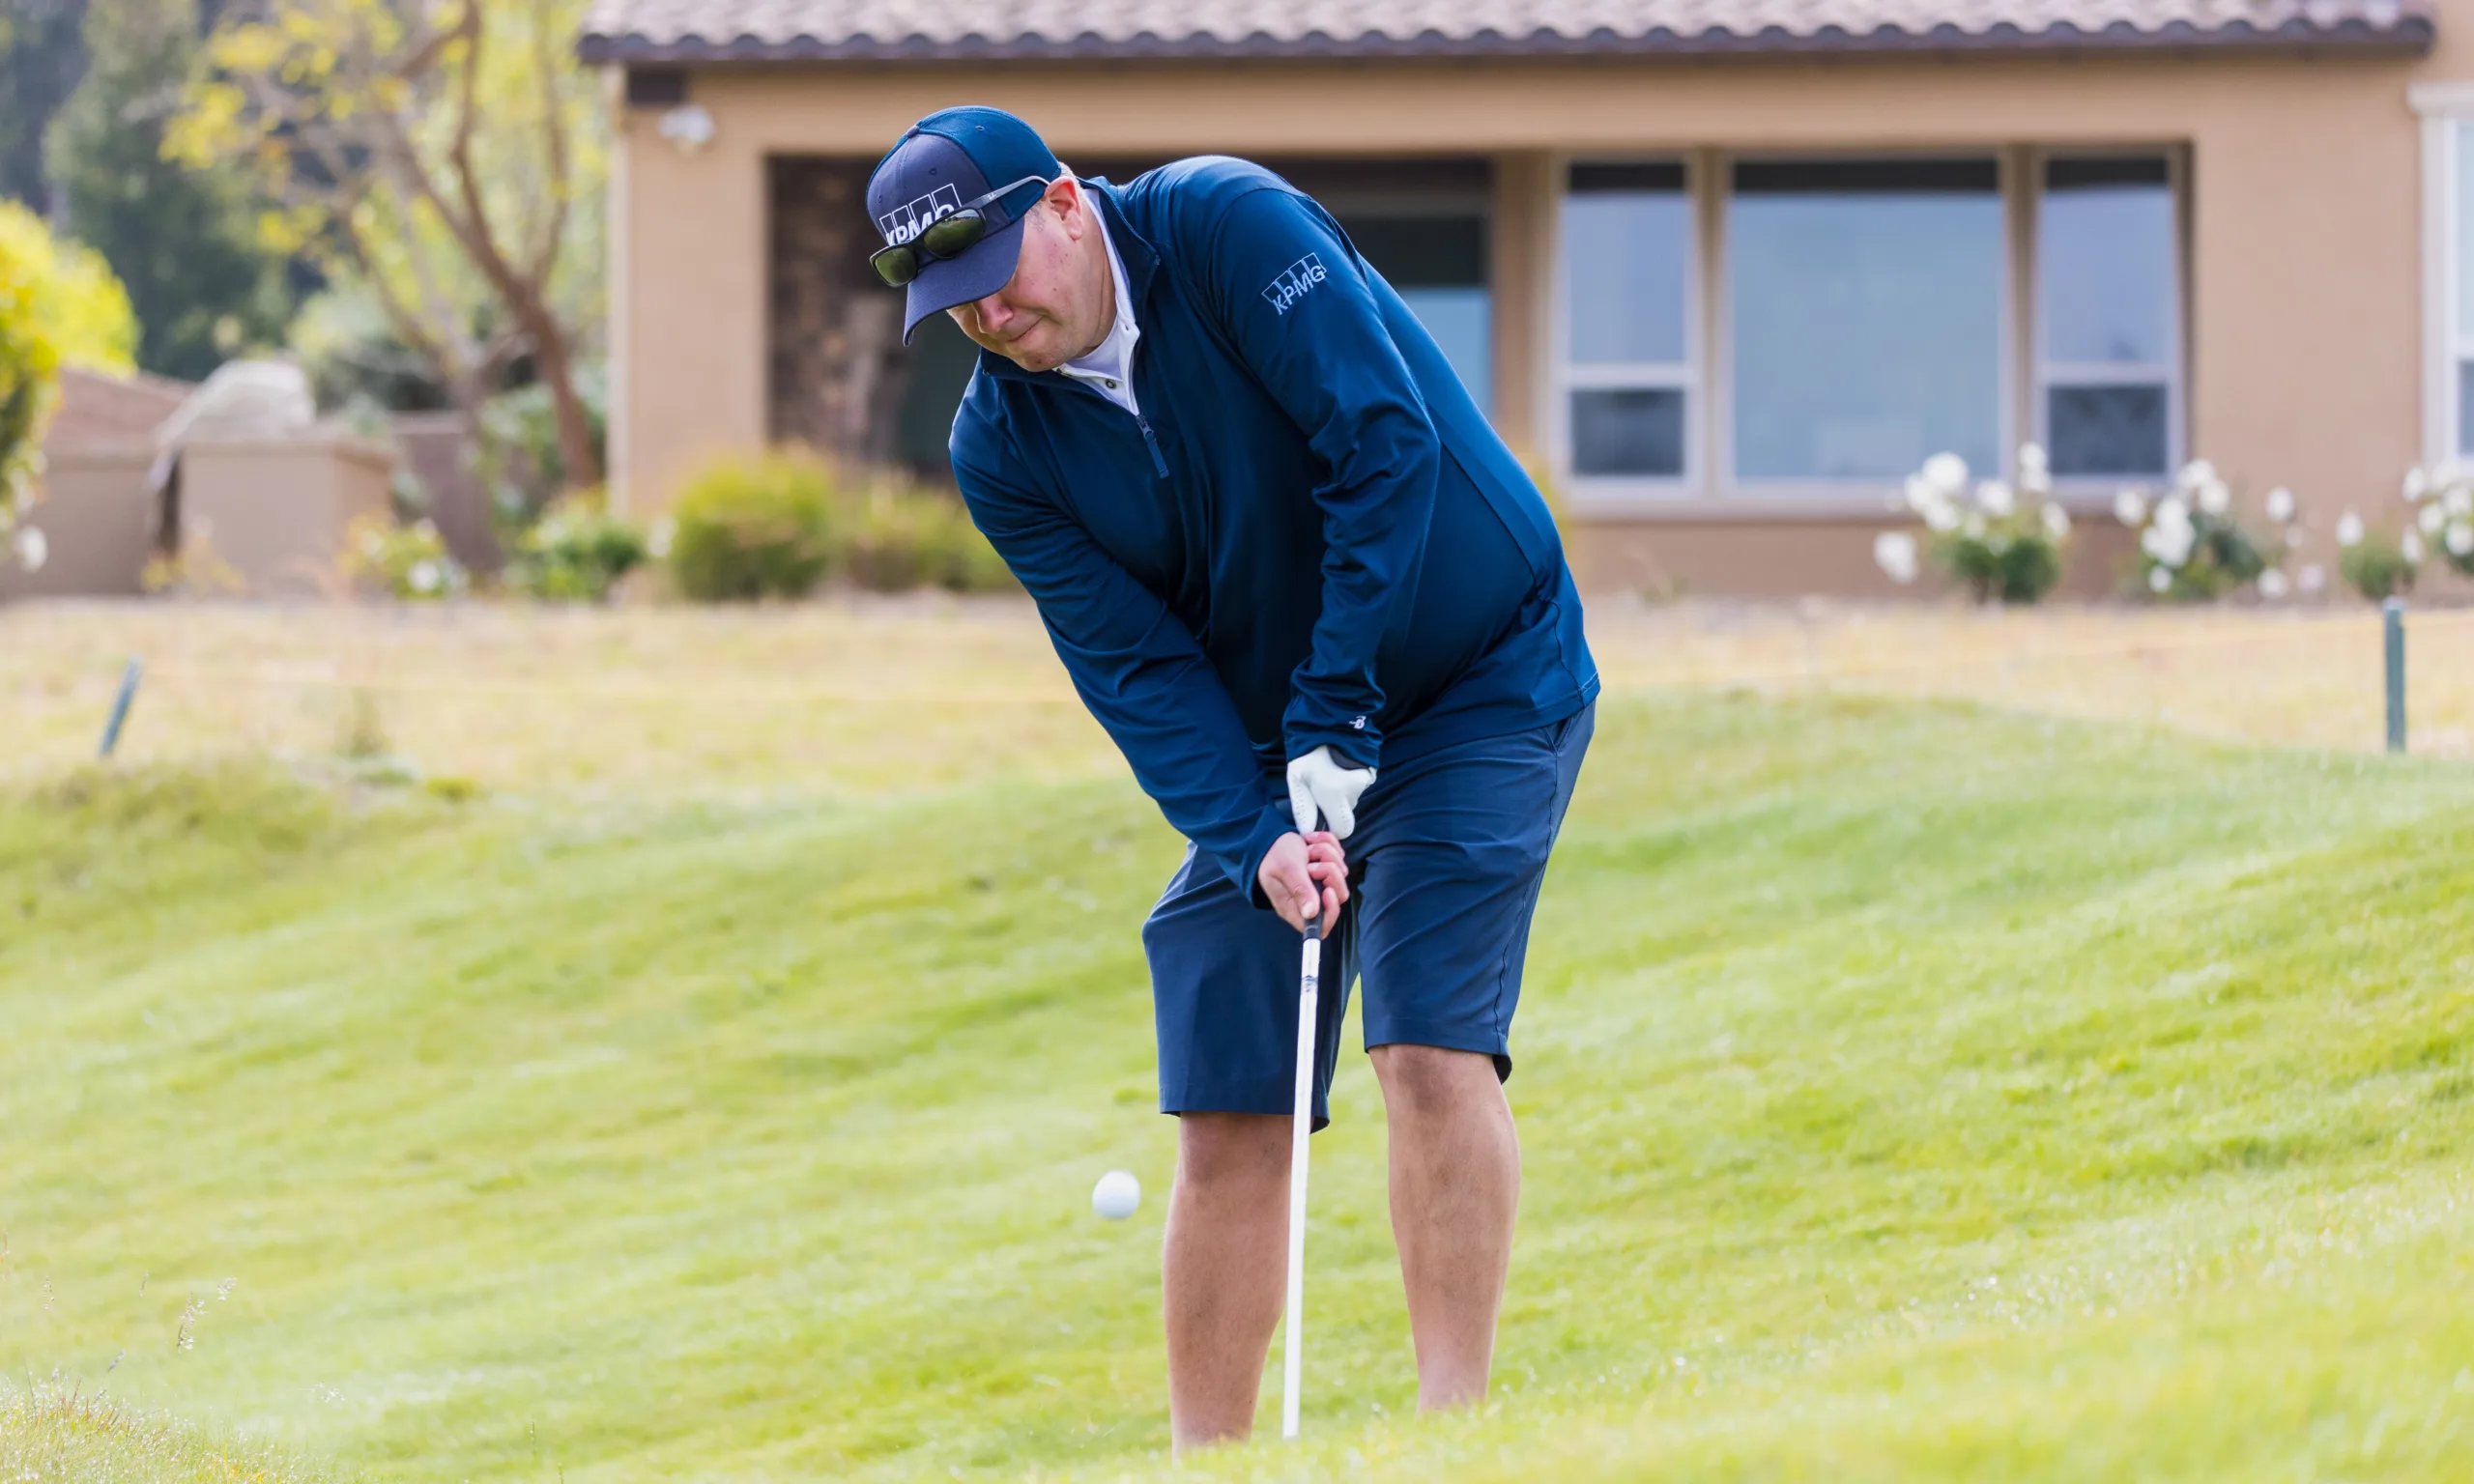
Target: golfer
[(1294, 573)]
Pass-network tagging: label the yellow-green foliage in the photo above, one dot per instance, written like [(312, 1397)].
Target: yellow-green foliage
[(776, 525), (76, 298), (29, 377), (51, 1432)]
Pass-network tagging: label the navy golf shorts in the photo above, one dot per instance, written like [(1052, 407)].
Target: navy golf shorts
[(1444, 869)]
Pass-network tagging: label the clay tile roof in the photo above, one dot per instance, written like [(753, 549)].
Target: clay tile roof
[(936, 30)]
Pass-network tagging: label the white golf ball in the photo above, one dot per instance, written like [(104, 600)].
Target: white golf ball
[(1116, 1195)]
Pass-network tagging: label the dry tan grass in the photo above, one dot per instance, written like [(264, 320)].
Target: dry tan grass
[(863, 697)]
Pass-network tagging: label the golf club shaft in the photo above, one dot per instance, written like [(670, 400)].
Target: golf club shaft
[(1301, 1128)]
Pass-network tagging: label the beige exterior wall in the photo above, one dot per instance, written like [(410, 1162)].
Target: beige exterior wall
[(274, 514), (2305, 326)]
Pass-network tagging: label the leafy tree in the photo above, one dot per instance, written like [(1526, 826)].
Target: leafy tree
[(59, 304), (184, 239), (445, 153), (41, 57), (83, 311)]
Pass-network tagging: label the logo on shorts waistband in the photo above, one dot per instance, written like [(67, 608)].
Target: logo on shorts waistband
[(1295, 282), (905, 222)]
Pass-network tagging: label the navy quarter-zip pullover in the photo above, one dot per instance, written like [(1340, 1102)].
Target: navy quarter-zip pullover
[(1309, 536)]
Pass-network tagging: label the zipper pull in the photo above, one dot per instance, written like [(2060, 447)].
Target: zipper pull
[(1148, 441)]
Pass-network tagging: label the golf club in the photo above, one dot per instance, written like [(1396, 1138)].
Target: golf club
[(1301, 1127)]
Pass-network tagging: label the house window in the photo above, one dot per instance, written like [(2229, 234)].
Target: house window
[(1865, 302), (1627, 378), (2108, 312), (1437, 263), (2460, 329)]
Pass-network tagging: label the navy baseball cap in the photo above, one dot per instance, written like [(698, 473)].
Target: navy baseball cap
[(941, 165)]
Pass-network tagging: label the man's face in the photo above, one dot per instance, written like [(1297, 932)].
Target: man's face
[(1059, 303)]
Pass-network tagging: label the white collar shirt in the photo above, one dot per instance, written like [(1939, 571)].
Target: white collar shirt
[(1109, 369)]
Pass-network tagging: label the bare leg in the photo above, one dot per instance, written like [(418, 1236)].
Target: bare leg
[(1223, 1272), (1455, 1186)]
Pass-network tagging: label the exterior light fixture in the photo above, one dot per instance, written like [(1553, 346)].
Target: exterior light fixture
[(689, 127)]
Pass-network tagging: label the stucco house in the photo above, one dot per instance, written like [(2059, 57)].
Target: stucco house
[(1724, 270)]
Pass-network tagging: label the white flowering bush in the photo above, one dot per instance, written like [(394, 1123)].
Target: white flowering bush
[(409, 561), (2192, 548), (2443, 519), (2003, 543), (2378, 564)]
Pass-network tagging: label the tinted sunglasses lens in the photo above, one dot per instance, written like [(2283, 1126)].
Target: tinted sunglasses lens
[(896, 265), (955, 235)]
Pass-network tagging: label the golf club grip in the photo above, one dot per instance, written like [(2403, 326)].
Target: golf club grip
[(1300, 1130)]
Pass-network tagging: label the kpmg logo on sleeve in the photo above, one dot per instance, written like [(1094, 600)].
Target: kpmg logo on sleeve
[(1295, 282), (905, 222)]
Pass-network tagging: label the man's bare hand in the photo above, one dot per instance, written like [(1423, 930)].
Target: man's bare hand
[(1305, 875)]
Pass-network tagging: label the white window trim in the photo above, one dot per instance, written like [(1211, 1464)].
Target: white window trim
[(1615, 493), (2443, 106), (2045, 375)]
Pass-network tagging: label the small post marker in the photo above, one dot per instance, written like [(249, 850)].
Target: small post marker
[(120, 705), (2392, 615)]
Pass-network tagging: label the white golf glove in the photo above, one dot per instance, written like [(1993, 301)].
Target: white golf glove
[(1321, 782)]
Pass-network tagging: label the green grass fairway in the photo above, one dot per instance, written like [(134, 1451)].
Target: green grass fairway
[(1908, 1092)]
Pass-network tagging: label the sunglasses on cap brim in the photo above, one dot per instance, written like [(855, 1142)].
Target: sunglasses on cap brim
[(948, 236)]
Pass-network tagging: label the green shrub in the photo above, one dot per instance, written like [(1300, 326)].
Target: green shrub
[(409, 561), (777, 526), (575, 554), (903, 537), (2377, 565), (749, 528)]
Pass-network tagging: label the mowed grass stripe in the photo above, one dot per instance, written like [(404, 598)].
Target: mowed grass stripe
[(753, 1142)]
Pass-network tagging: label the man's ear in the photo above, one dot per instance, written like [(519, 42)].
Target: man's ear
[(1064, 197)]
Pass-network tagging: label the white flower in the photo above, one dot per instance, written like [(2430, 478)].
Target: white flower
[(34, 548), (2280, 504), (2173, 514), (2272, 585), (2130, 507), (2057, 522), (2311, 577), (2461, 539), (2432, 518), (2458, 500), (2197, 472), (657, 540), (2349, 530), (1994, 498), (1973, 527), (1946, 472), (2159, 580), (2411, 547), (2168, 545), (2417, 484), (1894, 551), (424, 576), (2035, 472), (2214, 498)]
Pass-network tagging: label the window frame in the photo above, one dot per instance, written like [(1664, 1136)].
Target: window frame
[(2028, 254), (1690, 377), (2446, 108)]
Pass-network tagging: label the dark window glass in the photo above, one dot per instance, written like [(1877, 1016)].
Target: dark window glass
[(656, 87), (2108, 430), (1866, 177), (2102, 171), (1423, 252), (1587, 179), (1630, 430)]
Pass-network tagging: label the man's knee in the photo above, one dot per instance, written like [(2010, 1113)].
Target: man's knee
[(1222, 1149), (1423, 1081)]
